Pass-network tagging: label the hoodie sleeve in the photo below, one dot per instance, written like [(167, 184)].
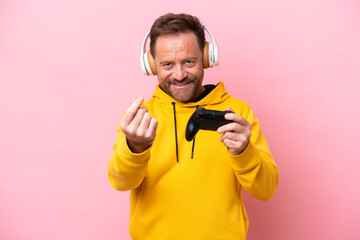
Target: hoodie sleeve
[(126, 170), (255, 167)]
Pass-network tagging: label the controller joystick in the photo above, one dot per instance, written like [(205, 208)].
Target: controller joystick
[(205, 119)]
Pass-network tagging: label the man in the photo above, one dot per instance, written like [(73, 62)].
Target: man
[(180, 189)]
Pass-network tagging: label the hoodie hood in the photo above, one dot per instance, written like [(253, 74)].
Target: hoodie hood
[(216, 96)]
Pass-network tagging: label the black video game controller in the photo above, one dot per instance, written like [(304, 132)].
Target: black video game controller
[(205, 119)]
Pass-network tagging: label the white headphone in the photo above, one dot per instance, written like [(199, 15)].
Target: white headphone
[(210, 55)]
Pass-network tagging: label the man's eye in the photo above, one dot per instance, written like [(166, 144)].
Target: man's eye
[(167, 65)]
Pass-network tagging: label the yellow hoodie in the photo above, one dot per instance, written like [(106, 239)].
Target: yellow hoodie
[(192, 198)]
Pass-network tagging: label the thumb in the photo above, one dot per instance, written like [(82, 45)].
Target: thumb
[(229, 109)]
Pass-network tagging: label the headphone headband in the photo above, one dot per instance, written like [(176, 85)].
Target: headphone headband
[(211, 50)]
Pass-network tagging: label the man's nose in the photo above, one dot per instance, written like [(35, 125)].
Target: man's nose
[(179, 73)]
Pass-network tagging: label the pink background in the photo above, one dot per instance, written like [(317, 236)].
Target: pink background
[(68, 69)]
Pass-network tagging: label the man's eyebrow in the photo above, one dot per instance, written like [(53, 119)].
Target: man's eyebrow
[(186, 59), (191, 58), (166, 61)]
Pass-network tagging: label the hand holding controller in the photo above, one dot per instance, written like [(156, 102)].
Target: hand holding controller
[(205, 119)]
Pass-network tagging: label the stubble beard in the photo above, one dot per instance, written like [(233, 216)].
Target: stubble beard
[(188, 94)]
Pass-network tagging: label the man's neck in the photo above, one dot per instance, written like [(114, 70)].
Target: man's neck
[(208, 88)]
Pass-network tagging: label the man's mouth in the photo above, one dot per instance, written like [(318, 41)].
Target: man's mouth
[(181, 84)]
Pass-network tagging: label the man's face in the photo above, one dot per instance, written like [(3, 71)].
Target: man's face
[(179, 65)]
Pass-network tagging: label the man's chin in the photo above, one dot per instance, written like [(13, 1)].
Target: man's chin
[(183, 97), (183, 94)]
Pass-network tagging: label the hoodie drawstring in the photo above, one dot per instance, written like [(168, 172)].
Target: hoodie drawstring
[(176, 137), (193, 145), (176, 140)]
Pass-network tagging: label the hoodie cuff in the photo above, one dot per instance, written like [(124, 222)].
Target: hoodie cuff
[(126, 154), (246, 159)]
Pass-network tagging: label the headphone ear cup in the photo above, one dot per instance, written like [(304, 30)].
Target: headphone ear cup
[(206, 62), (148, 64), (211, 55), (142, 63), (208, 55), (151, 62), (216, 54)]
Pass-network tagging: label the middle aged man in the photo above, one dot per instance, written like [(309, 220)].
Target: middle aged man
[(180, 189)]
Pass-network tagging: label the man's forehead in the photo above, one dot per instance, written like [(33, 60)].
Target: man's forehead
[(183, 42)]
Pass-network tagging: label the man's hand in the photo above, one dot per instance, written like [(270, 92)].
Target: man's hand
[(138, 126), (236, 135)]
